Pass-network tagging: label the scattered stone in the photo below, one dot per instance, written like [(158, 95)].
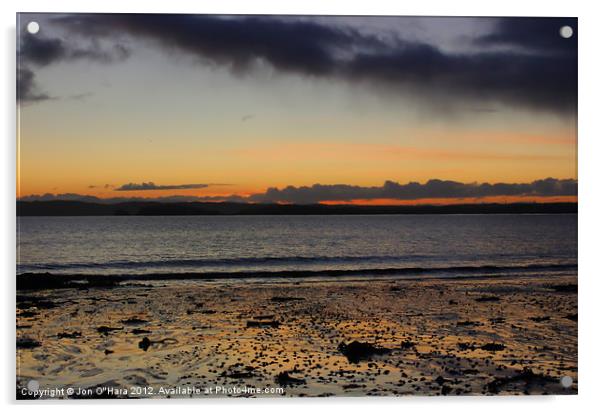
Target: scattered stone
[(47, 281), (493, 347), (467, 323), (27, 343), (263, 323), (144, 344), (564, 288), (539, 319), (407, 344), (75, 334), (466, 346), (487, 298), (264, 317), (27, 314), (285, 379), (25, 302), (440, 380), (134, 321), (104, 330), (245, 373), (356, 351), (531, 380), (286, 299)]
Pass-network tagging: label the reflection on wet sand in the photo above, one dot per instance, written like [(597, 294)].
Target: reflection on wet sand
[(318, 338)]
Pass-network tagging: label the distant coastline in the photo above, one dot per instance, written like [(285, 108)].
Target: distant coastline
[(78, 208)]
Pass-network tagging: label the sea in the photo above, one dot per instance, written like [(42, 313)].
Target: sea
[(295, 246)]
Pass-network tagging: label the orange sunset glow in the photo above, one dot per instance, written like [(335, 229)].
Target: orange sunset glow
[(98, 130)]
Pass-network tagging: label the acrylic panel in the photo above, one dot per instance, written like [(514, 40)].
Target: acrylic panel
[(286, 206)]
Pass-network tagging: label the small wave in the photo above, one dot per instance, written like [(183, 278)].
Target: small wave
[(286, 262), (222, 262), (464, 270)]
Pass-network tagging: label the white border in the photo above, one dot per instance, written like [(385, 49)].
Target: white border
[(590, 201)]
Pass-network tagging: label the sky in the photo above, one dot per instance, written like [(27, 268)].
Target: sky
[(296, 109)]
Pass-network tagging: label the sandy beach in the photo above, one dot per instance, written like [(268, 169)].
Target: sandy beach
[(305, 338)]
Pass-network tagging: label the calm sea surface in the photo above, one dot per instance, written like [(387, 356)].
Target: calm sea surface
[(232, 244)]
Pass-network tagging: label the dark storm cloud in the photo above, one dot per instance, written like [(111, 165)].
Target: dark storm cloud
[(37, 51), (533, 34), (433, 189), (287, 44), (27, 89), (536, 68), (150, 186)]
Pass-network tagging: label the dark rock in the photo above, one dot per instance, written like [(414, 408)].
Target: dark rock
[(140, 331), (264, 317), (564, 288), (493, 347), (75, 334), (539, 319), (145, 343), (356, 351), (530, 379), (572, 317), (44, 281), (466, 346), (28, 301), (263, 323), (285, 379), (134, 321), (236, 373), (487, 298), (407, 344), (104, 330), (27, 314), (26, 342), (467, 323), (440, 380), (286, 299)]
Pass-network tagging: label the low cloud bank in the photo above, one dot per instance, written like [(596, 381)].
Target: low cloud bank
[(433, 189), (150, 186)]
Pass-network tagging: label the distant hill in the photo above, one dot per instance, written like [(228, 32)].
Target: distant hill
[(78, 208)]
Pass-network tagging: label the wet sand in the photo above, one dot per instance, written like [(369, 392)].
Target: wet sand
[(303, 338)]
